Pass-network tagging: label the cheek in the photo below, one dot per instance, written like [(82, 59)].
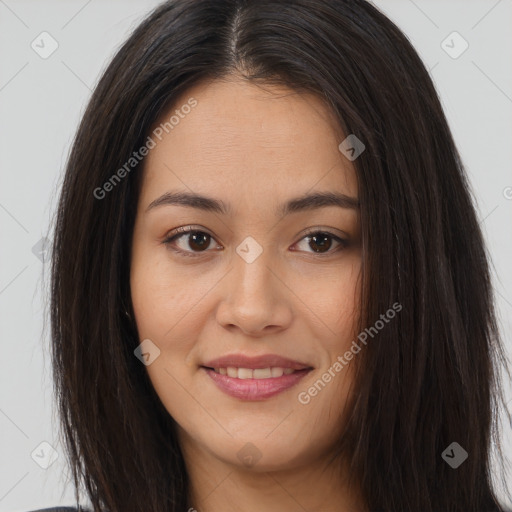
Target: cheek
[(161, 295), (334, 298), (338, 307), (163, 302)]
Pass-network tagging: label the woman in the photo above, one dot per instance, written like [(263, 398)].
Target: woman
[(269, 285)]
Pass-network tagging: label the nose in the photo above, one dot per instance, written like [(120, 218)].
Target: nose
[(255, 297)]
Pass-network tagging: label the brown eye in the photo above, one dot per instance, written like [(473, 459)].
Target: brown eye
[(189, 242), (198, 240), (321, 242)]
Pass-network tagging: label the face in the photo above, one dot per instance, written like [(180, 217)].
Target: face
[(266, 281)]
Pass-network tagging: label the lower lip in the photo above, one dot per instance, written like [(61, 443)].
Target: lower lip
[(255, 389)]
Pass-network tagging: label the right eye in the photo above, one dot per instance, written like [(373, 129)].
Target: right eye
[(193, 241)]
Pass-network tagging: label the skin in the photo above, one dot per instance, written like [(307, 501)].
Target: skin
[(253, 148)]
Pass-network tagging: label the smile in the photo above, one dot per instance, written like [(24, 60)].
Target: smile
[(259, 373), (257, 384)]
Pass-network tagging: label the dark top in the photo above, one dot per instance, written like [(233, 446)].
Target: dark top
[(74, 509), (58, 509)]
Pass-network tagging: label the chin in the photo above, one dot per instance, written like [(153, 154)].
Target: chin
[(256, 451)]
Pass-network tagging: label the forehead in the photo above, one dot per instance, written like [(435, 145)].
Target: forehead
[(240, 137)]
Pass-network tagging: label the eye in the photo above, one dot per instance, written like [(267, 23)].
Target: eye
[(322, 241), (195, 241)]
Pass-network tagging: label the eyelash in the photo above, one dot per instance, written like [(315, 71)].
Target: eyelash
[(169, 240)]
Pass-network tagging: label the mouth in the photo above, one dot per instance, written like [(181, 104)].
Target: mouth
[(256, 373), (253, 384)]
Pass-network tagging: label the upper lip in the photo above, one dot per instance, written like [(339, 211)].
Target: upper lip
[(263, 361)]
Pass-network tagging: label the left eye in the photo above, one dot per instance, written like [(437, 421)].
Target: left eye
[(199, 241), (322, 240)]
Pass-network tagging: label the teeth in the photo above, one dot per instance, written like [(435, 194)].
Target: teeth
[(244, 373), (248, 373), (277, 372), (262, 373)]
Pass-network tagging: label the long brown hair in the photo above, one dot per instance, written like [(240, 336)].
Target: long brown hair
[(429, 379)]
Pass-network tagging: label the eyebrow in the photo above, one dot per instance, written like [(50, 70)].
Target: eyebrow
[(306, 202)]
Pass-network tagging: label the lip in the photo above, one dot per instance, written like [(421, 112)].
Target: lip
[(255, 362), (255, 389)]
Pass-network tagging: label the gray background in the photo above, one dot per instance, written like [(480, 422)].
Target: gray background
[(41, 101)]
